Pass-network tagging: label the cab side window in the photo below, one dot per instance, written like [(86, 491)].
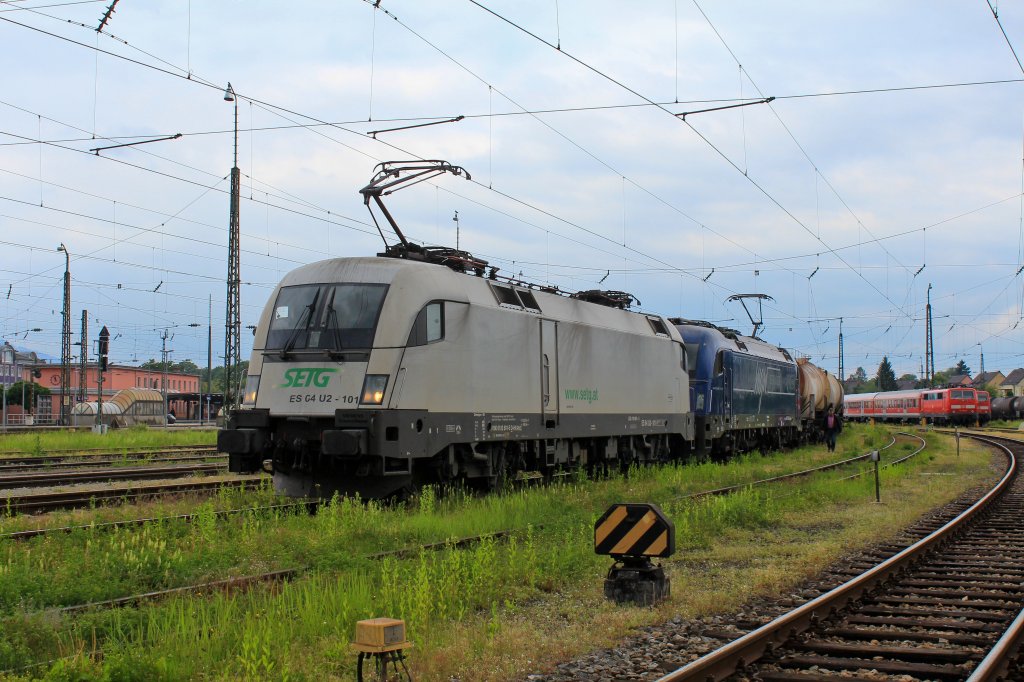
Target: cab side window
[(428, 326)]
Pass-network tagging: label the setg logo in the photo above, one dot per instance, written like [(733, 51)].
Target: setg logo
[(303, 378)]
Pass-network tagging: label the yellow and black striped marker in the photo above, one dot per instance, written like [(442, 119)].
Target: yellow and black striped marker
[(634, 530)]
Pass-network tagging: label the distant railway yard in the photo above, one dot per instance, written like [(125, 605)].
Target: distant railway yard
[(212, 575)]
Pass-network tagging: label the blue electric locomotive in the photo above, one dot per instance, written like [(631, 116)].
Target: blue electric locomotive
[(744, 392)]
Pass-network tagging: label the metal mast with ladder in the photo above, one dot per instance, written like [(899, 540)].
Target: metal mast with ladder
[(232, 318)]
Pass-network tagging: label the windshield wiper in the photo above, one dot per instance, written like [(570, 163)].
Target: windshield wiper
[(307, 316), (332, 321)]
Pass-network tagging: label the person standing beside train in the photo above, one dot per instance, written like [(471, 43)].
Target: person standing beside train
[(833, 425)]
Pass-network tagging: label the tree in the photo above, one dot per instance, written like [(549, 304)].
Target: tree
[(183, 367), (30, 390), (908, 377), (961, 368), (886, 377), (856, 382), (218, 376)]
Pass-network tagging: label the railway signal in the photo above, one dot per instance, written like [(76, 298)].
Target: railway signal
[(875, 457), (633, 534), (103, 352), (104, 348)]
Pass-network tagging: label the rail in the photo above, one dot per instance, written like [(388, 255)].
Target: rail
[(725, 661)]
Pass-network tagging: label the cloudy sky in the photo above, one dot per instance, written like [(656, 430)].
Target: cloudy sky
[(889, 160)]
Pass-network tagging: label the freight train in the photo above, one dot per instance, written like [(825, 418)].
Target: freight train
[(376, 375), (373, 376)]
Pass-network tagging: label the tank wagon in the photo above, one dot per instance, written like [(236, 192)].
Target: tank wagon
[(1008, 407)]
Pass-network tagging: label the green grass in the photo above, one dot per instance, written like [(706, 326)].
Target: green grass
[(42, 442), (300, 630)]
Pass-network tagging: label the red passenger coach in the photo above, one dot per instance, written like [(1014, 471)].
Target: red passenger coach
[(936, 405), (884, 406)]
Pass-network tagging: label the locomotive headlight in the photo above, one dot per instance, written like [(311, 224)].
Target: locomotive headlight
[(252, 387), (373, 389)]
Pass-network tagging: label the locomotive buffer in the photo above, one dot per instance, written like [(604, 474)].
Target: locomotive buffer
[(633, 534)]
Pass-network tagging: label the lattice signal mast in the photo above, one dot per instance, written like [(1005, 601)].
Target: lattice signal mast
[(65, 345), (83, 359), (232, 319), (929, 341)]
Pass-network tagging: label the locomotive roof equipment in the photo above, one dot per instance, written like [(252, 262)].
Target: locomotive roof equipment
[(759, 322), (614, 299), (388, 177)]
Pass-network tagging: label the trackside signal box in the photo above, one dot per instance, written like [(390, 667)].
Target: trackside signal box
[(382, 641), (632, 534)]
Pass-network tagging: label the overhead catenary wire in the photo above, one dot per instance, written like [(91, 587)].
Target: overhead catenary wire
[(703, 137), (49, 170), (651, 103)]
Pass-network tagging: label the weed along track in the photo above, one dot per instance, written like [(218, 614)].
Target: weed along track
[(198, 583), (226, 585), (310, 506), (798, 474), (931, 611)]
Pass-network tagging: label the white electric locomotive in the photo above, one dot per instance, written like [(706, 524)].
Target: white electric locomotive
[(373, 375), (376, 375)]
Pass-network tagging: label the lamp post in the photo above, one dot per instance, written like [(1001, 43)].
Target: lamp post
[(65, 349), (232, 318), (209, 348)]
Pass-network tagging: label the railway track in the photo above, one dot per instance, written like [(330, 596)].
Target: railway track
[(806, 472), (48, 501), (946, 608), (137, 473), (309, 505), (312, 505), (96, 463), (87, 457)]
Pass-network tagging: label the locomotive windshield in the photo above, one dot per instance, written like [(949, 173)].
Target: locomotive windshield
[(328, 317)]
